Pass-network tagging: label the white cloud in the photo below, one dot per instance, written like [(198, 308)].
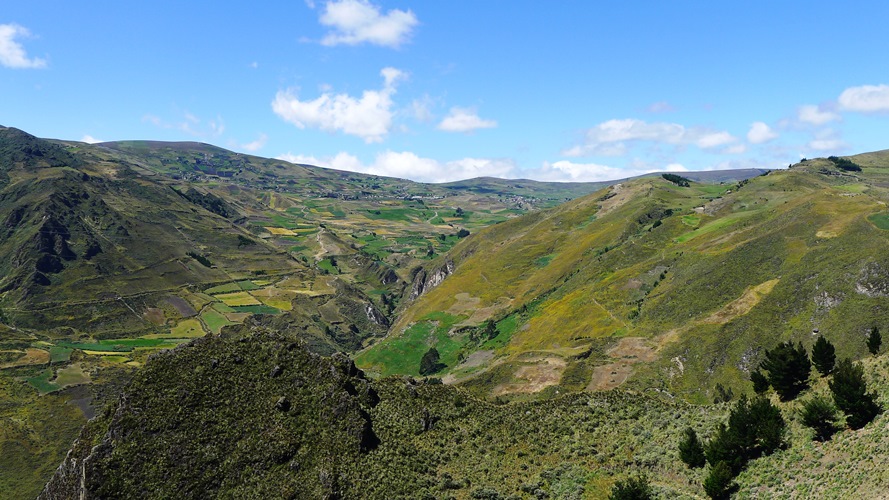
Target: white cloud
[(410, 166), (735, 149), (12, 54), (827, 140), (579, 172), (353, 22), (760, 132), (609, 138), (90, 139), (866, 99), (464, 120), (706, 139), (676, 167), (256, 145), (815, 115), (568, 171), (368, 117), (661, 107)]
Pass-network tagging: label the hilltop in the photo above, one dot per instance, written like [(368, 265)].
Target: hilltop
[(648, 284)]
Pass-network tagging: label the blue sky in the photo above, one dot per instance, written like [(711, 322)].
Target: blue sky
[(438, 91)]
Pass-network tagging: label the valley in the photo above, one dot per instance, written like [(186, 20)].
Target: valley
[(606, 317)]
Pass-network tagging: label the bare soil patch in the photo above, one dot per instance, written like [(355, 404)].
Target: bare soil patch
[(627, 352), (32, 356), (743, 304), (154, 316), (534, 377)]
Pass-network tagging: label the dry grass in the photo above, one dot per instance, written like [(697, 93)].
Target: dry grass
[(31, 356)]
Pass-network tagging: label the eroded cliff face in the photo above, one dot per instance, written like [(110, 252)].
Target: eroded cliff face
[(423, 281)]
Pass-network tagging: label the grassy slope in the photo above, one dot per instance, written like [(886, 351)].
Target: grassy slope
[(706, 291), (202, 420)]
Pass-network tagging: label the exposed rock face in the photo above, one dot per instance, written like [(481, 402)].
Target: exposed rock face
[(424, 282), (375, 316), (874, 281)]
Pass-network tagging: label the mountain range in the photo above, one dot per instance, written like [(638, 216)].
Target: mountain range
[(207, 306)]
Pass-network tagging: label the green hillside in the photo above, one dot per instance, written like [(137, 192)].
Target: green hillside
[(119, 250), (650, 285), (252, 414)]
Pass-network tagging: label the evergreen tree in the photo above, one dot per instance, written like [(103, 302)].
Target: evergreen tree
[(823, 356), (850, 394), (718, 484), (691, 451), (874, 340), (788, 369), (768, 425), (753, 429), (633, 488), (819, 414), (760, 382), (429, 362)]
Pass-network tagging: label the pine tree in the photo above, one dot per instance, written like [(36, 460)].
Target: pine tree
[(820, 415), (850, 394), (769, 427), (823, 356), (718, 484), (753, 429), (874, 340), (760, 382), (691, 451), (788, 369), (633, 488)]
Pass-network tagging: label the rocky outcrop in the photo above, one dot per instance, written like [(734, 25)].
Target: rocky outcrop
[(424, 282), (375, 316)]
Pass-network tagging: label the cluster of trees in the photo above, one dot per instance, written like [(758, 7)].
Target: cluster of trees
[(844, 164), (200, 258), (756, 428), (677, 179), (788, 370), (430, 363)]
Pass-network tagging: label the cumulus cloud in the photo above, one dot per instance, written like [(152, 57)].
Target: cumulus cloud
[(353, 22), (865, 99), (256, 145), (760, 132), (368, 117), (815, 115), (90, 139), (609, 138), (408, 165), (464, 120), (12, 54)]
